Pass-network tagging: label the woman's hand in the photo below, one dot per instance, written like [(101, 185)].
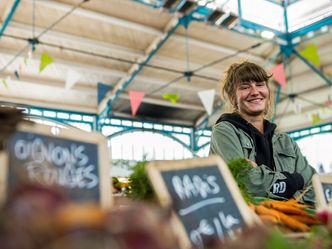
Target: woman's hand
[(252, 163)]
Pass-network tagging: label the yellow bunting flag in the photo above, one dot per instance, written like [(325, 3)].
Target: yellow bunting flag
[(310, 53), (171, 97), (45, 60), (4, 82), (315, 118)]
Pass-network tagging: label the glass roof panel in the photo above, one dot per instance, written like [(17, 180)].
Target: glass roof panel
[(270, 13)]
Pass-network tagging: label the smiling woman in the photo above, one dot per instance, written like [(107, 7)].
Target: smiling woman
[(279, 170)]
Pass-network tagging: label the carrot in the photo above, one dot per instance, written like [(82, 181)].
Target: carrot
[(268, 219), (262, 210), (295, 203), (293, 223), (285, 219), (282, 207), (306, 220), (290, 202)]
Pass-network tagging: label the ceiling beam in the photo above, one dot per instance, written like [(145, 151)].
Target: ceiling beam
[(106, 48), (162, 102), (99, 17), (8, 15), (135, 69), (143, 28), (49, 104), (159, 120), (113, 73), (218, 48), (86, 89)]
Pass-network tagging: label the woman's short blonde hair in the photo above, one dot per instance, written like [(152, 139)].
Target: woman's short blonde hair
[(239, 73)]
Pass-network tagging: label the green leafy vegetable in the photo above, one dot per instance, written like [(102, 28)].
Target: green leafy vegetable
[(139, 185), (240, 168)]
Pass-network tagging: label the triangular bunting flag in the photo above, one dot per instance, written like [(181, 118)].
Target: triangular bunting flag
[(72, 78), (45, 60), (136, 98), (315, 118), (27, 59), (4, 82), (171, 97), (207, 98), (310, 53), (102, 91), (279, 74), (7, 81), (328, 102)]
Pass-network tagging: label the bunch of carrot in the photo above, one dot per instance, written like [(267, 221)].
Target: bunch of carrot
[(289, 213)]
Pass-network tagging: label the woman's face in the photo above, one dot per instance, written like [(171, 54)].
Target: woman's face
[(252, 98)]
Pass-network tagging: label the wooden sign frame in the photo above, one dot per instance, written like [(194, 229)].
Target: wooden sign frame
[(155, 170), (71, 134), (317, 181)]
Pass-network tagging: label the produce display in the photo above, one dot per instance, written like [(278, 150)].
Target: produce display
[(289, 213), (36, 216)]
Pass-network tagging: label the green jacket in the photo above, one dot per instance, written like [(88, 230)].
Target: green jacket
[(230, 142)]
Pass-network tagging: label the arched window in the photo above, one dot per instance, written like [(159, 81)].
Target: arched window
[(139, 145)]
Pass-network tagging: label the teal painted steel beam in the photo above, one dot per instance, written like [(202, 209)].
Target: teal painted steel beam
[(154, 131), (158, 4), (312, 27), (251, 25), (151, 123), (285, 16), (280, 3), (140, 67), (239, 9), (9, 17), (286, 50), (315, 130), (313, 67)]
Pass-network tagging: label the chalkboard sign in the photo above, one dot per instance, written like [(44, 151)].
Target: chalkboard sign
[(73, 160), (323, 189), (206, 201)]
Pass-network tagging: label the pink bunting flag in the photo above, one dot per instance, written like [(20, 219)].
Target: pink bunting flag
[(136, 98), (279, 74)]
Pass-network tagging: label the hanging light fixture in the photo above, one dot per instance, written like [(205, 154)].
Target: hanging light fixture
[(220, 18), (187, 7), (171, 3), (215, 16), (229, 21)]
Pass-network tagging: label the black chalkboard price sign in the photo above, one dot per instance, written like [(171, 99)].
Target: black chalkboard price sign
[(206, 201), (322, 184), (70, 159)]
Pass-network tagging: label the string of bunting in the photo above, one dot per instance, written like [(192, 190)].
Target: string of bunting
[(45, 59)]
